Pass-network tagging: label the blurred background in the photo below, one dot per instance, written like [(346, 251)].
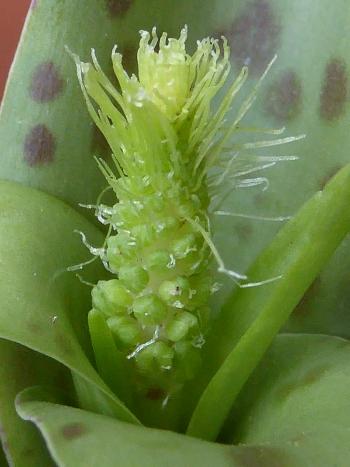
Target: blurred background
[(12, 16)]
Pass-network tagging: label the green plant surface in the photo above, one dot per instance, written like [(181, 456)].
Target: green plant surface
[(307, 91), (253, 317), (20, 368), (47, 142), (28, 225), (37, 244), (77, 439), (297, 393), (47, 138), (299, 398)]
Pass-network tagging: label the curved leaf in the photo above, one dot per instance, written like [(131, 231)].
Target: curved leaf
[(20, 368), (294, 412), (78, 439), (298, 398), (42, 306)]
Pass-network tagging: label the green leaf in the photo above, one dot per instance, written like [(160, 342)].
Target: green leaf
[(77, 438), (307, 91), (43, 306), (298, 398), (110, 362), (294, 412), (20, 368), (47, 139), (254, 316)]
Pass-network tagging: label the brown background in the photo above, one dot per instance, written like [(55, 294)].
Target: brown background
[(12, 15)]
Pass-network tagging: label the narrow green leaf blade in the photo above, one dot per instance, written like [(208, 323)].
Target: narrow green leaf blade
[(111, 363), (254, 316)]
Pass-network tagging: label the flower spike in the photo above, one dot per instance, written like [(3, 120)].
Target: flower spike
[(165, 137)]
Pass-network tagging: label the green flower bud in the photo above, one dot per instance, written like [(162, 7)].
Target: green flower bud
[(187, 209), (125, 213), (149, 309), (158, 260), (140, 185), (144, 234), (166, 224), (184, 245), (176, 292), (155, 204), (121, 244), (154, 358), (134, 277), (111, 297), (125, 330), (180, 326)]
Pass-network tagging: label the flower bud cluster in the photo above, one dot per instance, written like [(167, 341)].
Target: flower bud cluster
[(163, 136)]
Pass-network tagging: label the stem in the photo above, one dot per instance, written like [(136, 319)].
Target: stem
[(298, 253), (109, 361)]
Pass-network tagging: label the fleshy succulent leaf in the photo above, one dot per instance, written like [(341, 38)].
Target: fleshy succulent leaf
[(307, 91), (250, 321), (298, 398), (51, 141), (20, 368), (37, 246), (77, 438), (277, 422), (42, 110)]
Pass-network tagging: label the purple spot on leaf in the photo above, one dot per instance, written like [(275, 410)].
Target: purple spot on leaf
[(283, 97), (73, 431), (64, 343), (264, 456), (118, 8), (46, 83), (39, 146), (311, 377), (34, 328), (334, 90), (244, 231), (254, 36)]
